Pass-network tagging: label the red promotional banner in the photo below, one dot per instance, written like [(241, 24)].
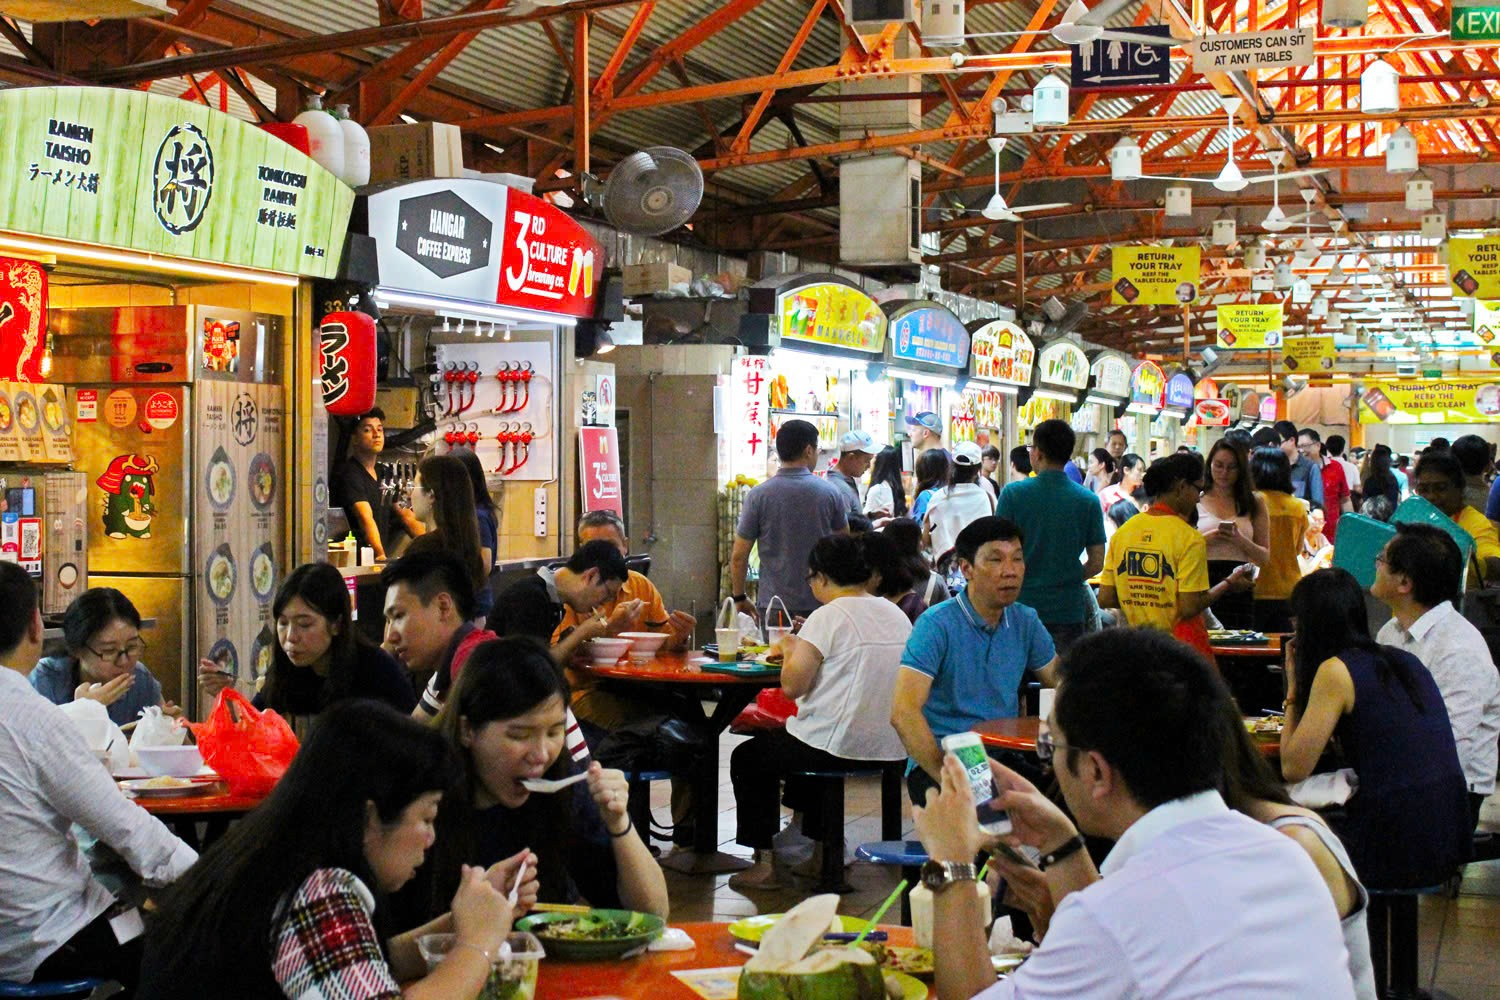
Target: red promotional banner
[(599, 468), (547, 261), (23, 320)]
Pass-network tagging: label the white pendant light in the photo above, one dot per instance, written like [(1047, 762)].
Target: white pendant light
[(1125, 160), (1440, 252), (1284, 276), (1379, 89), (1225, 230), (1255, 256), (1401, 152), (1434, 225), (1336, 272), (1179, 201), (1302, 291), (1049, 100), (1319, 307), (1351, 328), (942, 23), (1419, 192), (1345, 13)]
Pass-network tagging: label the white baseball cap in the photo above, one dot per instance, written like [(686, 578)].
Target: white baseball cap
[(858, 441), (967, 453)]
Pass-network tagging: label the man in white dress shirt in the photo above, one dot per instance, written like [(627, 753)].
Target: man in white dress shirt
[(56, 921), (1418, 574), (1195, 900)]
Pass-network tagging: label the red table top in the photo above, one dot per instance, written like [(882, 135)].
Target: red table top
[(1020, 734), (678, 668), (217, 800), (1271, 649), (650, 975)]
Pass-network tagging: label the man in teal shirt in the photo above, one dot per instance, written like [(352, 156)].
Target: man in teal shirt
[(1063, 527)]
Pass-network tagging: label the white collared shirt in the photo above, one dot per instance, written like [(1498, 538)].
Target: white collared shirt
[(1196, 902), (49, 780), (1458, 658)]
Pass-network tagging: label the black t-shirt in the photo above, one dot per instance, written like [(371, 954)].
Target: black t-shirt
[(525, 608), (351, 484), (377, 676), (574, 857)]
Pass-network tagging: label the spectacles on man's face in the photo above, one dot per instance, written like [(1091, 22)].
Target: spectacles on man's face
[(1047, 746), (132, 650)]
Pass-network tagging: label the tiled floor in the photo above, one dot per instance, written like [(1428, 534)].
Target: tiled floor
[(1460, 938)]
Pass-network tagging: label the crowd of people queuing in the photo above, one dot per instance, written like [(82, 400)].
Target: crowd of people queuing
[(919, 613)]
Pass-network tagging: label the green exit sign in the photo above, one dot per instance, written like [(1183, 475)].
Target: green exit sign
[(1475, 24)]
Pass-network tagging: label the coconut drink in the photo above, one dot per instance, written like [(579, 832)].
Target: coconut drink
[(790, 966)]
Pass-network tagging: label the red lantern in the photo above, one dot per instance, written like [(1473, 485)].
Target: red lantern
[(23, 320), (346, 343)]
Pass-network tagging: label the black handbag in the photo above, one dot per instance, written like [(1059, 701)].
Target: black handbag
[(655, 743)]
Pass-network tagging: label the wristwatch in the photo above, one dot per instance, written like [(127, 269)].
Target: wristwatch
[(938, 875), (1067, 850), (737, 598)]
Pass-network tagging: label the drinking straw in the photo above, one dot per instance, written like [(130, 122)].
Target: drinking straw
[(984, 869), (895, 895)]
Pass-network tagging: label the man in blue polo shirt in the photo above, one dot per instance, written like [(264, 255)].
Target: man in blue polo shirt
[(1064, 529), (964, 660)]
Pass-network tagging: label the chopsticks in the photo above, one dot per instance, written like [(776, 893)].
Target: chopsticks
[(559, 908)]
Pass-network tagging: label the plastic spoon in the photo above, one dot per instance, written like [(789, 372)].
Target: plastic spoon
[(549, 785)]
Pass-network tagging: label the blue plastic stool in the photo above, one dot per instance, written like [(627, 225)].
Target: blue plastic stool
[(58, 988), (640, 800), (909, 854), (1393, 940)]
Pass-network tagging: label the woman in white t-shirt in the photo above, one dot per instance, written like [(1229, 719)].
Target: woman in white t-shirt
[(841, 669)]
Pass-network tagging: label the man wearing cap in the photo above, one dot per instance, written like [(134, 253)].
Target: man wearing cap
[(925, 430), (857, 450), (958, 505)]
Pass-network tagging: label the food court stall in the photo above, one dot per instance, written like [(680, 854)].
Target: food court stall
[(1107, 396), (1177, 407), (1211, 415), (1003, 360), (926, 354), (156, 263), (1058, 380), (1147, 386)]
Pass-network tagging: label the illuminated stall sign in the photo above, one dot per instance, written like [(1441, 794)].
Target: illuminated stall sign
[(1062, 364), (1147, 383), (832, 315), (930, 335), (1179, 394), (1004, 353), (1111, 373)]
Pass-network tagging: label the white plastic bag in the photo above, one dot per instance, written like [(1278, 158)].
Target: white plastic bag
[(99, 732), (156, 730)]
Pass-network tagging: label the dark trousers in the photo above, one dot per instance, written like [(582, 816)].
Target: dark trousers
[(1476, 803), (1236, 609), (1273, 615), (93, 952), (756, 770)]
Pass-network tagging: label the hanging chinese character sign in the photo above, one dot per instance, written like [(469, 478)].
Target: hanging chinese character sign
[(23, 320), (748, 421)]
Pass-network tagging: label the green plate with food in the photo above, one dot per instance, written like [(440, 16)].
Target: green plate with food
[(751, 929), (593, 935)]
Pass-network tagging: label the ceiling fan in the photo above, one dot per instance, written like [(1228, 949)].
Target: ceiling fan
[(1231, 178), (1082, 26), (996, 209)]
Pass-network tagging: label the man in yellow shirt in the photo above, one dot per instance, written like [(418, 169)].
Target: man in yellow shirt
[(1439, 479), (1156, 569)]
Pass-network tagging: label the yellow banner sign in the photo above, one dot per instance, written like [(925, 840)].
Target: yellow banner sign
[(1312, 356), (1154, 276), (1434, 402), (1474, 266), (1250, 327)]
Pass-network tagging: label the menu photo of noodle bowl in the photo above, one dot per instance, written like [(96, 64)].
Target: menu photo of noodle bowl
[(263, 572), (262, 481), (221, 478), (225, 657), (220, 575), (261, 653)]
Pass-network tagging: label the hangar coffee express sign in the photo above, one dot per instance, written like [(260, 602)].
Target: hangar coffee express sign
[(485, 242)]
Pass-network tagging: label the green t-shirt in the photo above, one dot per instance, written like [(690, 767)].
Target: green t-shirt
[(1058, 520)]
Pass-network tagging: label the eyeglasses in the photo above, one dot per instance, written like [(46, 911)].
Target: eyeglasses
[(132, 650), (1047, 747)]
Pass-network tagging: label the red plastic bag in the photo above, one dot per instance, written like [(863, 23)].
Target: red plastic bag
[(249, 749), (770, 711)]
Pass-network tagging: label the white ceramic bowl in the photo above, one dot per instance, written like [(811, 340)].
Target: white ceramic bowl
[(176, 762), (608, 651), (645, 645)]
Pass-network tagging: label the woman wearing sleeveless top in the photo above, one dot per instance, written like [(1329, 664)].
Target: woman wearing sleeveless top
[(1408, 825), (1235, 527)]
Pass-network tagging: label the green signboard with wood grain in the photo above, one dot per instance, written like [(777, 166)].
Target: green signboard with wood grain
[(125, 168)]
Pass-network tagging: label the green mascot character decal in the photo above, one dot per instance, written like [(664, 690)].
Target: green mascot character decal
[(129, 486)]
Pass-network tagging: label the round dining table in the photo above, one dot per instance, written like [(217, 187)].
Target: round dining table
[(1020, 734), (688, 672), (216, 808), (651, 975)]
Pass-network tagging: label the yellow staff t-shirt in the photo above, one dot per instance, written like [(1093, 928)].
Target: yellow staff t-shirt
[(1152, 558)]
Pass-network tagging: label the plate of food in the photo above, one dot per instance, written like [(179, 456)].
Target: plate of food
[(916, 962), (262, 481), (593, 935), (1232, 636), (167, 787), (751, 929), (793, 960), (220, 480)]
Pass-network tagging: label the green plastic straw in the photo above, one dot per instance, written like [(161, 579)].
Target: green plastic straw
[(895, 895), (984, 869)]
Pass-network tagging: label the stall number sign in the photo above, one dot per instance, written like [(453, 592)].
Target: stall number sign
[(1252, 50), (549, 262), (1479, 23)]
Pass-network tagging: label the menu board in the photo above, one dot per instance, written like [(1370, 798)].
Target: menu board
[(1147, 384), (1111, 374), (34, 423), (1004, 353), (931, 335), (1062, 363), (238, 558), (833, 315), (1179, 393)]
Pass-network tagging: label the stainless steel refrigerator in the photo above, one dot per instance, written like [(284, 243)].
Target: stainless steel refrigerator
[(178, 428)]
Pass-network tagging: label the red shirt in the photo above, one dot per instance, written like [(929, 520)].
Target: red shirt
[(1335, 492)]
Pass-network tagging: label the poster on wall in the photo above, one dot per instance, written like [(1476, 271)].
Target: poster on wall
[(1154, 276), (599, 469), (1456, 401), (1474, 266), (1249, 327)]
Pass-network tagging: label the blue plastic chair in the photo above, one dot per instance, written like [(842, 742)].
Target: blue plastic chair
[(639, 805), (58, 988)]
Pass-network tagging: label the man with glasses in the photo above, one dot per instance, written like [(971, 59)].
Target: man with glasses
[(1156, 570), (1307, 481), (1169, 919), (1337, 499), (1439, 479)]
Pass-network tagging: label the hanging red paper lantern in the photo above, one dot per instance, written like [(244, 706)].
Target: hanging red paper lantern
[(23, 320), (346, 344)]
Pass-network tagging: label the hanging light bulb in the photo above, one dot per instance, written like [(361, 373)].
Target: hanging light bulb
[(1379, 89), (1049, 101), (1345, 13), (45, 365), (1125, 160)]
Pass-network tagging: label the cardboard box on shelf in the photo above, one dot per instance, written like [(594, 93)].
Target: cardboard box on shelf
[(400, 404), (644, 279), (415, 152)]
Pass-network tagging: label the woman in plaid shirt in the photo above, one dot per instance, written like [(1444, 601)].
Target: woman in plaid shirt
[(288, 903)]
